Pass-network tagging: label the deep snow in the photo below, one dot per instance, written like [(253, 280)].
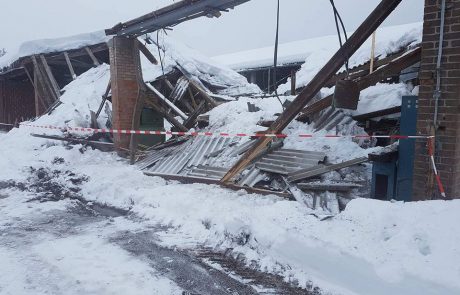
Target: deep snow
[(372, 247)]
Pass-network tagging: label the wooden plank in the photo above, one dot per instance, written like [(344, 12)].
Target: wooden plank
[(374, 20), (92, 56), (167, 101), (146, 52), (312, 172), (333, 187), (69, 65)]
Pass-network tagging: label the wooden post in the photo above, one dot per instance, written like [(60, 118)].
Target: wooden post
[(373, 21), (93, 57), (51, 78), (293, 82), (69, 65), (371, 70), (146, 52), (42, 84)]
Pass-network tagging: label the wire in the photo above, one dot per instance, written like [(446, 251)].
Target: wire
[(275, 59), (159, 53), (338, 19)]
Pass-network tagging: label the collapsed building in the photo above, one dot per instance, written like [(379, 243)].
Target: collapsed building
[(153, 81)]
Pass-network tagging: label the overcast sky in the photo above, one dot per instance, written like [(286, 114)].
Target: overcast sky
[(250, 25)]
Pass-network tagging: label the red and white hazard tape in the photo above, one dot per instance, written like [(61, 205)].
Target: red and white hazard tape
[(218, 134), (438, 178)]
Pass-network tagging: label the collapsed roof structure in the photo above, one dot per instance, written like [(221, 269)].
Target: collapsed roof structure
[(194, 93)]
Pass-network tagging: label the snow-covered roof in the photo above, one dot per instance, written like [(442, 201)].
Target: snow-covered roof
[(53, 45), (300, 51), (175, 54)]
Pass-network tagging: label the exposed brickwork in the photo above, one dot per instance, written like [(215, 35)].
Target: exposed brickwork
[(448, 133), (126, 74)]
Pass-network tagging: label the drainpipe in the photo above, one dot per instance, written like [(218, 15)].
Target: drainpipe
[(437, 92)]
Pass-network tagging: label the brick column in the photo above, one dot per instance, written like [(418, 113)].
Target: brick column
[(448, 129), (125, 71)]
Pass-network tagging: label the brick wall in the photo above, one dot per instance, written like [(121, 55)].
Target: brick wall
[(448, 129), (125, 74)]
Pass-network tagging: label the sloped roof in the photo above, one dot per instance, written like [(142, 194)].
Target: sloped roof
[(298, 52)]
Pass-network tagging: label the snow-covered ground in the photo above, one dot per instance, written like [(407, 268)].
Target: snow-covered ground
[(372, 247)]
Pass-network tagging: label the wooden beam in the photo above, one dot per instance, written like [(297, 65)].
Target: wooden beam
[(146, 52), (29, 76), (154, 105), (393, 68), (104, 98), (293, 82), (40, 105), (373, 21), (42, 84), (190, 179), (69, 65), (93, 57), (49, 73), (204, 94)]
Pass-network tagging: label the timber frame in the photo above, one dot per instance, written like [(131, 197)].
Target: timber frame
[(365, 30)]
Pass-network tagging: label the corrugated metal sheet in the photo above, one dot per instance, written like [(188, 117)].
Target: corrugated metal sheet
[(199, 152), (208, 172), (285, 161), (155, 156)]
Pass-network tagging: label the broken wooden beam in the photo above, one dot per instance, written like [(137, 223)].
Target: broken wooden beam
[(52, 80), (69, 65), (146, 52), (316, 171), (92, 56), (373, 21), (393, 68), (104, 98), (167, 102)]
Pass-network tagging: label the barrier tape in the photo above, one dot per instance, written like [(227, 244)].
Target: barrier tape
[(438, 178), (221, 134)]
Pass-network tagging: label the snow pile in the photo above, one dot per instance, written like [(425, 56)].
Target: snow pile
[(380, 97), (81, 96), (54, 45), (234, 117), (388, 40), (175, 54), (372, 247)]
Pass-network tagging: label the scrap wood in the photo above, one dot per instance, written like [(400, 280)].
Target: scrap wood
[(104, 146)]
